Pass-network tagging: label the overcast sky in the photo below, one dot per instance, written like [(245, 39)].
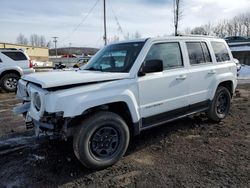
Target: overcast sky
[(149, 17)]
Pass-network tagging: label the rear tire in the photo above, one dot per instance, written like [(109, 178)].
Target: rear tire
[(101, 140), (220, 105), (9, 82)]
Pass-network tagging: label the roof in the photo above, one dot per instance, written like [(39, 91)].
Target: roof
[(22, 45), (186, 37)]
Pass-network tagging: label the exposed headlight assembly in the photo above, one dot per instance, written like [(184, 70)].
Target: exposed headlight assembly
[(37, 101)]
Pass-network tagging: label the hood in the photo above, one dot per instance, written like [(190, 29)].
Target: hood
[(65, 78)]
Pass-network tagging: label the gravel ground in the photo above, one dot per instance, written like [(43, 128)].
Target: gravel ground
[(192, 152)]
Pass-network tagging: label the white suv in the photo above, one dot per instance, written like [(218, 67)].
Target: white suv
[(126, 88), (13, 64)]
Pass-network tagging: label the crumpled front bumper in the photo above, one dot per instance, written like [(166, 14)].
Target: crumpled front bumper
[(31, 122)]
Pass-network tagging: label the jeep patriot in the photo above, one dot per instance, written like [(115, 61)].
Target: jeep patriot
[(128, 87)]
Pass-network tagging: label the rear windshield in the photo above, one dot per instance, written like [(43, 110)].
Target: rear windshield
[(16, 56)]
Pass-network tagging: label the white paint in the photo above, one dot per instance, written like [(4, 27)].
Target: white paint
[(145, 96)]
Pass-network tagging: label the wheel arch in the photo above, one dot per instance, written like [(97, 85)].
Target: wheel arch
[(9, 72), (229, 85), (120, 108), (227, 80)]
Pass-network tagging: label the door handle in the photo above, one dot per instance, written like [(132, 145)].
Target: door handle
[(212, 72), (181, 77)]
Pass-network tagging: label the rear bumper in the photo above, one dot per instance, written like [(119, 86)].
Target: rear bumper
[(28, 71)]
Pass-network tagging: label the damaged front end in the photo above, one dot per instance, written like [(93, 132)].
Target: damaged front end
[(34, 112)]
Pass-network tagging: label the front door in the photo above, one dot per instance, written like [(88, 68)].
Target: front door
[(163, 94)]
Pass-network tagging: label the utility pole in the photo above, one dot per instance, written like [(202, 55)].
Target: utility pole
[(105, 28), (55, 41)]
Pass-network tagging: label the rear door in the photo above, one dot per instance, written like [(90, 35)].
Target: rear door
[(202, 73), (163, 94)]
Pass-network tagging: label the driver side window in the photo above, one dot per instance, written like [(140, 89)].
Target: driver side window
[(169, 53)]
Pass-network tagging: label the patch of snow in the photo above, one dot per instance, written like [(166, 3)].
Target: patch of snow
[(244, 72), (239, 48)]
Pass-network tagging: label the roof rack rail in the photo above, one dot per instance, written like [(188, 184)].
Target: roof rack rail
[(8, 49), (192, 35)]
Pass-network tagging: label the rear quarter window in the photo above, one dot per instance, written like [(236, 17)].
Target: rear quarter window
[(220, 51), (16, 56), (0, 60)]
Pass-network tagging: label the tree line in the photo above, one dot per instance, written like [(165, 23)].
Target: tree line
[(34, 40), (237, 26)]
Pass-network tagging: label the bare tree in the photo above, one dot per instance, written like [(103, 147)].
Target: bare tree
[(49, 44), (21, 39), (42, 41), (220, 29), (127, 36), (177, 15), (199, 31), (135, 35), (187, 31), (246, 21), (114, 39), (35, 40), (209, 28), (237, 26)]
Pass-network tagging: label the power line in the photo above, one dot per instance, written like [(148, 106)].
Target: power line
[(117, 21), (82, 21)]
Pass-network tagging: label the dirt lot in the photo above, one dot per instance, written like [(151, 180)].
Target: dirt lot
[(192, 152)]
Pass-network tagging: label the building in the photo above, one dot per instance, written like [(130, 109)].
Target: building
[(73, 50), (241, 51), (35, 53)]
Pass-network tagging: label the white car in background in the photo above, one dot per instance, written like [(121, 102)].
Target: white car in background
[(13, 64)]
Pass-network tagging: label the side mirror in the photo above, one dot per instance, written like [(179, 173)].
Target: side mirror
[(150, 66)]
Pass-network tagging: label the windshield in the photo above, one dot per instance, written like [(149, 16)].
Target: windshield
[(115, 57)]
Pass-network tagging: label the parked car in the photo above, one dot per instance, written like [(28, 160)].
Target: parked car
[(129, 87), (236, 38), (69, 56), (13, 64)]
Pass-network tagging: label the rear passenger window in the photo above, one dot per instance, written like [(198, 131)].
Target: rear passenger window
[(169, 53), (0, 60), (198, 53), (16, 56), (221, 52)]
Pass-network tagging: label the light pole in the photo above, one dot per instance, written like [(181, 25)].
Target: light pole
[(55, 41), (105, 27)]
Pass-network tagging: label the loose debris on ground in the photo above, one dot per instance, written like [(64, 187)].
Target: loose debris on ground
[(192, 152)]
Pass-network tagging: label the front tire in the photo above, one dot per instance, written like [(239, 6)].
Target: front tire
[(220, 105), (102, 140), (9, 82)]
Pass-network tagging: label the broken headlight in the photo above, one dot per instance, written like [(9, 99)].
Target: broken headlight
[(37, 101)]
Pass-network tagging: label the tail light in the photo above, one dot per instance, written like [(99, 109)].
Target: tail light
[(31, 64)]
